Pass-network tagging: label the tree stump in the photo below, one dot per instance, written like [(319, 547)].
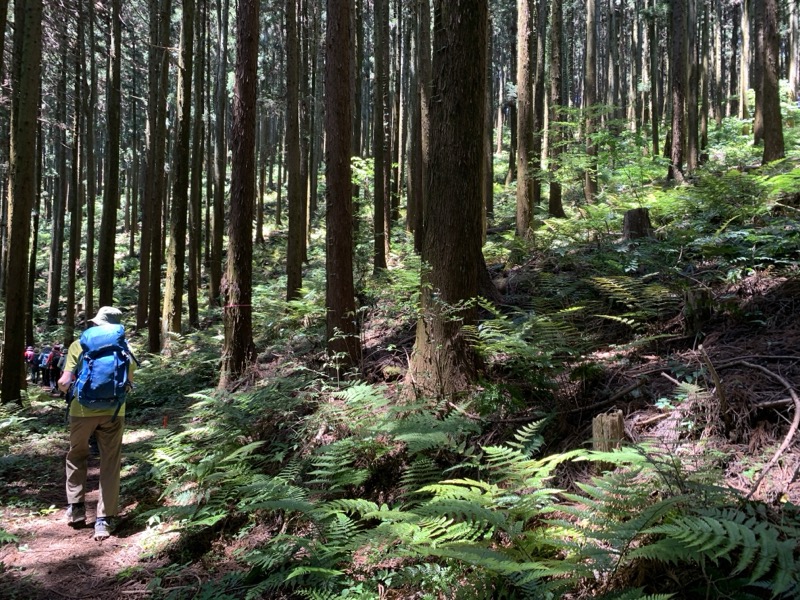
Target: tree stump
[(637, 224), (608, 431), (698, 307)]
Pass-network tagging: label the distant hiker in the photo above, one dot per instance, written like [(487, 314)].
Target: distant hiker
[(34, 366), (44, 356), (101, 366), (53, 362), (29, 360)]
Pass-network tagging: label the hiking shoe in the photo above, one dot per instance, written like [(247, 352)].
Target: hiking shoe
[(102, 528), (76, 514)]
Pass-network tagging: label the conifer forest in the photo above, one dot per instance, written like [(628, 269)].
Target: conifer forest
[(430, 299)]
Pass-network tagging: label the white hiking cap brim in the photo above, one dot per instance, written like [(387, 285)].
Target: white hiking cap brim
[(107, 315)]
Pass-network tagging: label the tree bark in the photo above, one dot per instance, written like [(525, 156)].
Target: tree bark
[(539, 102), (60, 193), (381, 136), (91, 180), (238, 350), (759, 66), (678, 79), (34, 250), (25, 79), (108, 223), (176, 255), (344, 346), (555, 207), (220, 158), (158, 186), (524, 213), (744, 59), (589, 100), (443, 363), (76, 192), (425, 78), (195, 194), (295, 250), (692, 152), (773, 125)]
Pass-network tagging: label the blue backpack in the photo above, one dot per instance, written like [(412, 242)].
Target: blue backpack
[(103, 378)]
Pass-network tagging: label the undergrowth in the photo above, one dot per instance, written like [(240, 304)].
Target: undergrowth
[(360, 493), (352, 490)]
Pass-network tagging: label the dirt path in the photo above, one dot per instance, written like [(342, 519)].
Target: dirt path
[(52, 560)]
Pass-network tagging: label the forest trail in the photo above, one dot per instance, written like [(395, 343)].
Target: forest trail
[(52, 560)]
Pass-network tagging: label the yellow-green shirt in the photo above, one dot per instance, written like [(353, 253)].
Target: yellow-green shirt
[(76, 409)]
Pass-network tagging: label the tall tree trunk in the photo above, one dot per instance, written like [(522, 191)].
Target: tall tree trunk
[(692, 59), (773, 126), (4, 153), (414, 196), (279, 193), (555, 207), (76, 192), (744, 60), (589, 100), (344, 345), (733, 69), (238, 350), (34, 250), (108, 223), (719, 59), (381, 135), (524, 213), (25, 79), (678, 79), (793, 65), (357, 39), (159, 185), (315, 96), (539, 102), (305, 118), (176, 255), (60, 197), (425, 90), (296, 198), (263, 141), (443, 362), (220, 157), (488, 156), (705, 52), (195, 194), (91, 175), (759, 66)]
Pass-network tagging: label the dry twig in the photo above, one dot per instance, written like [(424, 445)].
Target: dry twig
[(787, 440)]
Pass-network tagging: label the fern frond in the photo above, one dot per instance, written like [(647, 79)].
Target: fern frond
[(355, 506), (421, 472)]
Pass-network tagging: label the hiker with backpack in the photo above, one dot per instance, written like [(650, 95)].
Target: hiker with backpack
[(54, 366), (44, 356), (32, 361), (99, 369)]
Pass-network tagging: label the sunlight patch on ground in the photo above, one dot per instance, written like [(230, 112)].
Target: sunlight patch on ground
[(133, 436)]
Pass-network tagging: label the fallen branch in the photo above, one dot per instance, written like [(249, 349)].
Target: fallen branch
[(792, 429)]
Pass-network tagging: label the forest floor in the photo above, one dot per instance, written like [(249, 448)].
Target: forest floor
[(50, 558), (752, 347)]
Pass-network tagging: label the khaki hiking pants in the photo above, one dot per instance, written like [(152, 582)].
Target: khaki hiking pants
[(109, 440)]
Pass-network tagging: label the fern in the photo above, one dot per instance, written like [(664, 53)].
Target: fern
[(734, 538), (7, 538)]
